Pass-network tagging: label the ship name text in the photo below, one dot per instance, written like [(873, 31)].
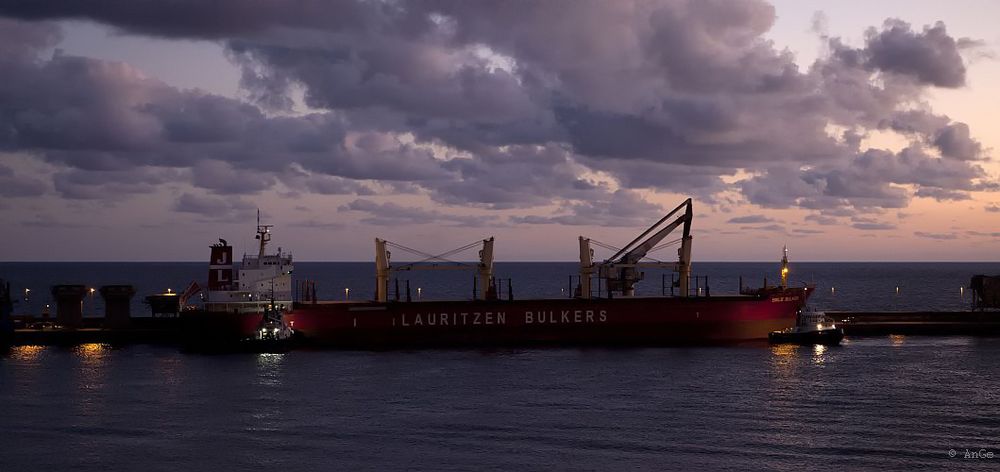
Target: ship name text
[(491, 318)]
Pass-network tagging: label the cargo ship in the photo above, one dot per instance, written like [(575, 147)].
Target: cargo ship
[(603, 310)]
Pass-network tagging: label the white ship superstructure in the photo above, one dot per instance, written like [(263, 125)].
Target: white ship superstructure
[(263, 284)]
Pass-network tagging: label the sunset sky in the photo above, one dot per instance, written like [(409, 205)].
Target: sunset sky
[(849, 130)]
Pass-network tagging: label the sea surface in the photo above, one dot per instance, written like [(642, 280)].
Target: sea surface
[(874, 403)]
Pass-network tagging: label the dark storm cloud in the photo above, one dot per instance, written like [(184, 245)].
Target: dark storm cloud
[(501, 104)]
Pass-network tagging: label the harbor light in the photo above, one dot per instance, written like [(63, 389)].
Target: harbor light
[(961, 291), (347, 294), (169, 291), (27, 294), (832, 290), (897, 290), (418, 292)]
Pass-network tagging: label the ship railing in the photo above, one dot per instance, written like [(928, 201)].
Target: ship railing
[(697, 285), (499, 289)]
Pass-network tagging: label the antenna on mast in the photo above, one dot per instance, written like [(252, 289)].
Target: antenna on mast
[(263, 234)]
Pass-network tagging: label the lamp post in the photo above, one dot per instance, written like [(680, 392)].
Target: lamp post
[(93, 307), (347, 294)]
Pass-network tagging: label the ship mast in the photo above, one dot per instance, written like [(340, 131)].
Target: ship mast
[(784, 267), (263, 234)]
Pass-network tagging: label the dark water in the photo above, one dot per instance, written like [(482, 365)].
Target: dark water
[(874, 403), (887, 403), (856, 286)]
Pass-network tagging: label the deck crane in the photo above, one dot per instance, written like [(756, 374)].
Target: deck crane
[(621, 271), (484, 290)]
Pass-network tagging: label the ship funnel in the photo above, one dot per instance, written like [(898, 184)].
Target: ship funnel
[(220, 267)]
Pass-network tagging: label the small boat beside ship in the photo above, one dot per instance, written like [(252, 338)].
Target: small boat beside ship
[(813, 327), (273, 335), (604, 308)]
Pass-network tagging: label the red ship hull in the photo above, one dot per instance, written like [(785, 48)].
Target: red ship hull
[(621, 321)]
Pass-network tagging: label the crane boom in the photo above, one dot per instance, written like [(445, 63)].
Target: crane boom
[(620, 270), (636, 250)]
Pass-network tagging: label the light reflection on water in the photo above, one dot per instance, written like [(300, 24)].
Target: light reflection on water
[(819, 352), (267, 408), (780, 407), (26, 353), (269, 369), (91, 375)]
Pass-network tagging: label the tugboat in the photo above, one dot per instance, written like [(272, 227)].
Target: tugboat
[(813, 327), (273, 335)]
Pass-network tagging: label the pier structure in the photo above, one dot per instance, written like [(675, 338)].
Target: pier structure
[(69, 304), (117, 305)]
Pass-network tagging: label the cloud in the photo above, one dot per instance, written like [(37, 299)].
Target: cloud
[(937, 236), (49, 221), (993, 208), (491, 105), (956, 142), (873, 179), (774, 227), (932, 57), (391, 214), (624, 208), (214, 208), (111, 185), (822, 220), (751, 219), (314, 224), (13, 185), (994, 234), (870, 224), (517, 177)]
